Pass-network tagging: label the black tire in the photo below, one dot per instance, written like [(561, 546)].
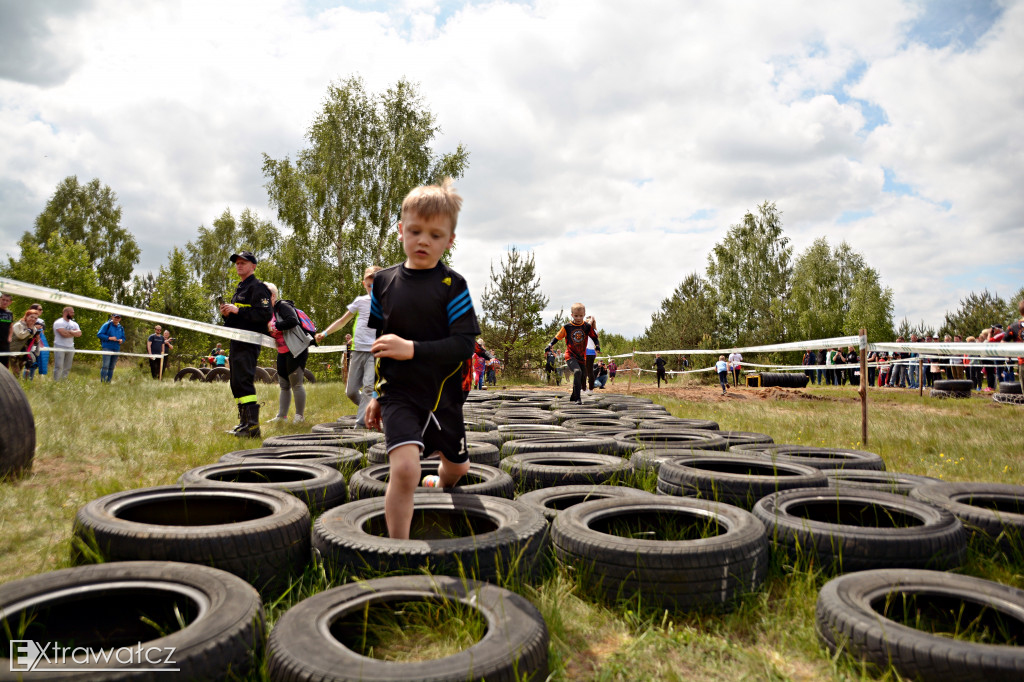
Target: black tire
[(306, 646), (479, 453), (685, 574), (822, 458), (588, 424), (541, 469), (846, 530), (784, 379), (308, 376), (566, 414), (540, 419), (513, 431), (354, 436), (320, 487), (481, 480), (651, 459), (954, 385), (678, 423), (736, 479), (882, 481), (745, 438), (478, 423), (272, 371), (345, 460), (935, 393), (865, 615), (124, 605), (991, 510), (571, 443), (259, 535), (480, 536), (1008, 399), (358, 439), (263, 376), (692, 439), (626, 405), (218, 374), (17, 429), (761, 447), (1009, 388), (490, 437), (204, 370), (189, 374), (550, 501)]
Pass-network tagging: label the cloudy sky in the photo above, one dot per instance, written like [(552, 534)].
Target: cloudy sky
[(616, 140)]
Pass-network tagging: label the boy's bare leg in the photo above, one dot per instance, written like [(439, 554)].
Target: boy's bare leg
[(450, 472), (403, 479)]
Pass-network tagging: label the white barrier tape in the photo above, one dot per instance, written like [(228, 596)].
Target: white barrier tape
[(1010, 350), (795, 345), (57, 349), (326, 349), (43, 293), (681, 371)]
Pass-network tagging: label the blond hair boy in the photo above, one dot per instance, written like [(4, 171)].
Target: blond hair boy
[(426, 330)]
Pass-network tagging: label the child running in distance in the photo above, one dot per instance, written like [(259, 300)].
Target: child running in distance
[(576, 334), (426, 330), (722, 367)]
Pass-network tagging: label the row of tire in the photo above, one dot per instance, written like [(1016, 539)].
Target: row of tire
[(266, 375), (868, 529), (619, 538), (1009, 391)]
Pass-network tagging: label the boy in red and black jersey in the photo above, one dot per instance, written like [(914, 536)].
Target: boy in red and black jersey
[(576, 334)]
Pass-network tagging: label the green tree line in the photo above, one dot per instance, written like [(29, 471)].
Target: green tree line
[(337, 204)]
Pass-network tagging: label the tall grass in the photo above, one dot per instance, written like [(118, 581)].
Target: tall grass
[(94, 439)]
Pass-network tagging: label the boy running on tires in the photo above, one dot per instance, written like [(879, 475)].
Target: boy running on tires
[(426, 330), (576, 334)]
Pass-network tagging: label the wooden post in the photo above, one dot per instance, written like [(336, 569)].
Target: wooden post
[(863, 387), (920, 374), (629, 383)]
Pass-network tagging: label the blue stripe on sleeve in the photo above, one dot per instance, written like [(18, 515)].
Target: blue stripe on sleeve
[(460, 312), (459, 306), (375, 307)]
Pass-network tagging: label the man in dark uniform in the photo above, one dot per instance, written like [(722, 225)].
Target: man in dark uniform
[(249, 309)]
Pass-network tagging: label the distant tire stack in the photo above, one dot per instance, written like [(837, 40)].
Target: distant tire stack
[(783, 379), (1009, 393), (190, 374), (952, 388)]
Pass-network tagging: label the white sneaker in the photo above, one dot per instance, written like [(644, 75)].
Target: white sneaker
[(298, 418), (278, 418)]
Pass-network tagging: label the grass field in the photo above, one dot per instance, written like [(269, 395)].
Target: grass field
[(94, 439)]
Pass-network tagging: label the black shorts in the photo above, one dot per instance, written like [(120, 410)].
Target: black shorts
[(405, 423)]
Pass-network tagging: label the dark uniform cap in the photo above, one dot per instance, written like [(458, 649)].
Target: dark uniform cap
[(247, 255)]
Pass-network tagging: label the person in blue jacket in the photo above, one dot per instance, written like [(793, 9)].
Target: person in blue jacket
[(44, 356), (722, 367), (111, 336)]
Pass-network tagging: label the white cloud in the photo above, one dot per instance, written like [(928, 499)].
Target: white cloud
[(595, 130)]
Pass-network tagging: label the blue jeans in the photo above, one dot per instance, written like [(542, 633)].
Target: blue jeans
[(600, 381), (107, 368), (912, 380)]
